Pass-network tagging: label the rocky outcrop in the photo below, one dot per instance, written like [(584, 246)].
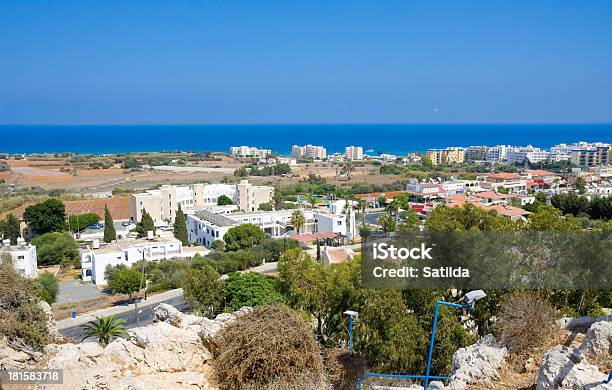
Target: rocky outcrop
[(477, 364), (159, 355), (569, 368), (54, 335), (580, 324)]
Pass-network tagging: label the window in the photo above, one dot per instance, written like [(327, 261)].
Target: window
[(20, 257), (339, 223)]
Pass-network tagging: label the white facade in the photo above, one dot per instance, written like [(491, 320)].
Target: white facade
[(530, 153), (249, 151), (353, 153), (204, 227), (95, 261), (497, 153), (23, 256)]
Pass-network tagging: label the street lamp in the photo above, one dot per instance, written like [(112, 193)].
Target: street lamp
[(136, 312), (351, 314), (469, 302)]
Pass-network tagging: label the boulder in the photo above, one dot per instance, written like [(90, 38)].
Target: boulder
[(598, 340), (566, 368), (580, 324), (477, 363), (169, 314)]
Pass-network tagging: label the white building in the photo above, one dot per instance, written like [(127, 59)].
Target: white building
[(95, 260), (497, 153), (249, 151), (23, 256), (529, 153), (308, 151), (204, 226), (353, 153)]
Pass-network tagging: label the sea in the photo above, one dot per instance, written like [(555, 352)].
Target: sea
[(374, 138)]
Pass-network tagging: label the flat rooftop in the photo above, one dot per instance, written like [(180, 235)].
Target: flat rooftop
[(215, 219)]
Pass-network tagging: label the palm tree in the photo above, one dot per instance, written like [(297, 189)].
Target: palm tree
[(387, 223), (297, 220), (347, 169), (362, 203), (311, 199), (104, 329)]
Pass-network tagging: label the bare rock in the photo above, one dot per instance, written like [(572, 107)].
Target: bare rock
[(565, 368), (54, 334), (598, 340), (169, 314), (580, 324), (478, 363)]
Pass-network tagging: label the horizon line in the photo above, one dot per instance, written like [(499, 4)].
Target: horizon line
[(320, 124)]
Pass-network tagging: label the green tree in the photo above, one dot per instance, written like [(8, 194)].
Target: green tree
[(10, 229), (426, 162), (57, 248), (387, 223), (22, 318), (125, 281), (45, 217), (580, 185), (146, 224), (218, 245), (297, 220), (104, 329), (265, 207), (180, 227), (109, 227), (243, 237), (77, 223), (251, 289), (224, 200), (549, 218), (49, 287), (204, 290)]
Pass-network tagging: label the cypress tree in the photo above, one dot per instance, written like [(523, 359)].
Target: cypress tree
[(146, 223), (180, 227), (11, 228), (109, 228)]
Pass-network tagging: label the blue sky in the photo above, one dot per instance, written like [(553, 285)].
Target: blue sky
[(104, 62)]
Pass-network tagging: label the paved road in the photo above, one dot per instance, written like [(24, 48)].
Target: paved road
[(145, 317)]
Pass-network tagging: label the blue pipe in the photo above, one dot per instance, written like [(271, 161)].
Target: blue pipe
[(369, 374), (609, 378), (351, 333), (433, 338)]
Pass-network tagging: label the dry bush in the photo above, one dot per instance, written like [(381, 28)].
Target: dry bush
[(344, 368), (526, 322), (268, 348)]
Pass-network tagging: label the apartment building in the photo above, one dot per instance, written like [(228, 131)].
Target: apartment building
[(449, 155), (592, 155), (519, 155), (162, 203), (476, 153), (95, 260), (249, 151), (23, 256), (353, 153), (308, 151), (497, 153)]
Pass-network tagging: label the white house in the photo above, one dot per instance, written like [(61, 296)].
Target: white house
[(95, 260), (23, 256)]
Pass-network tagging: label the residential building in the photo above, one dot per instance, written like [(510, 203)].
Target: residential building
[(448, 155), (592, 155), (387, 157), (308, 151), (526, 153), (476, 153), (204, 227), (162, 203), (497, 153), (23, 256), (94, 260), (510, 181), (249, 151), (353, 153)]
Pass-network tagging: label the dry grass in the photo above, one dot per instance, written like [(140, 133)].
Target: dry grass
[(526, 323), (344, 368), (268, 349)]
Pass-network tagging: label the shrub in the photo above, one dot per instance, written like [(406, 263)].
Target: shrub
[(49, 287), (526, 321), (57, 248), (344, 368), (269, 346), (251, 289)]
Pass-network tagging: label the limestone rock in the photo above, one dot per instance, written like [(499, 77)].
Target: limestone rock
[(477, 363), (598, 340), (565, 368), (54, 334), (580, 323)]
